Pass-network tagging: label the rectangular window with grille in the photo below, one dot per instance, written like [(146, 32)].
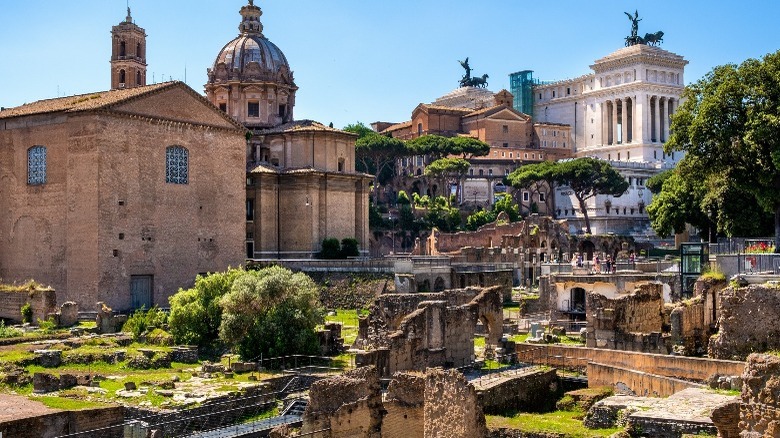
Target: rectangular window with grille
[(253, 109), (36, 165)]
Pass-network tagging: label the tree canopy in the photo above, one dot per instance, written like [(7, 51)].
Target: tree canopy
[(450, 170), (587, 177), (729, 127), (438, 147)]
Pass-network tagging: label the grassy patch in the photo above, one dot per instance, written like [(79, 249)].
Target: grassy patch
[(349, 323), (520, 337), (68, 404), (563, 422)]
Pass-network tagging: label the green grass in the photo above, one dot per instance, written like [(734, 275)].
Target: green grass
[(349, 323), (68, 404), (519, 338), (564, 422)]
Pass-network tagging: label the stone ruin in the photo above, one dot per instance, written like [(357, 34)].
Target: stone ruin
[(331, 342), (418, 331), (749, 321), (631, 322), (106, 321), (436, 403)]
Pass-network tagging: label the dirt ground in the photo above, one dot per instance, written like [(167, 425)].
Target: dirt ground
[(14, 407)]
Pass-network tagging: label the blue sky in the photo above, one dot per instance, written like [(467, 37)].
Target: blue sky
[(368, 60)]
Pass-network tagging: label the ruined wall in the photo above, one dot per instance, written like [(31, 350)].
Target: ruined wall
[(349, 405), (689, 333), (404, 403), (435, 333), (530, 392), (633, 382), (681, 367), (62, 423), (42, 301), (452, 409), (436, 404), (749, 322), (630, 322), (760, 408)]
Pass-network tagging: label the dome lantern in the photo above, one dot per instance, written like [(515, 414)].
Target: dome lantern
[(250, 23)]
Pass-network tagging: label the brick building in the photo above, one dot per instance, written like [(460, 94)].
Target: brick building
[(513, 137), (120, 196)]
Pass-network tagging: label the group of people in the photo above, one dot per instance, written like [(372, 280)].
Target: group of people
[(601, 264)]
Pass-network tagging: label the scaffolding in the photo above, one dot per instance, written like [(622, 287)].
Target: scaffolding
[(522, 84)]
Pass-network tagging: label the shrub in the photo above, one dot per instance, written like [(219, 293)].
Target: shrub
[(159, 336), (27, 313), (9, 332), (142, 321), (349, 247), (403, 198), (331, 249), (47, 326)]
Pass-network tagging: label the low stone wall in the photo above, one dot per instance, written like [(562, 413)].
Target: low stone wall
[(42, 301), (681, 367), (749, 322), (62, 423), (634, 382), (533, 391)]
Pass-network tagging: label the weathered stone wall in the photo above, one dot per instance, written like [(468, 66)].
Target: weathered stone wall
[(689, 333), (530, 392), (630, 322), (42, 301), (452, 409), (62, 423), (760, 409), (438, 404), (436, 332), (690, 368), (633, 382), (404, 403), (726, 420), (749, 322)]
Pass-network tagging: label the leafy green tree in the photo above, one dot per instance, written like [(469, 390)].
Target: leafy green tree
[(195, 313), (450, 171), (509, 206), (375, 153), (349, 247), (272, 312), (469, 147), (656, 182), (587, 177), (434, 146), (729, 122), (479, 218), (403, 198)]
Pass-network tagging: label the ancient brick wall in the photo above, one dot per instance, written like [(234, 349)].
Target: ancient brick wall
[(760, 408), (749, 322), (726, 420), (42, 302), (62, 423), (681, 367), (630, 322), (404, 405), (529, 392), (452, 409), (688, 328)]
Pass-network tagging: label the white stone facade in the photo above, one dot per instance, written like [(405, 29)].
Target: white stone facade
[(619, 113)]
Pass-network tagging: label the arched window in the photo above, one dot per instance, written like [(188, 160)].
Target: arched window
[(138, 51), (122, 50), (138, 78), (121, 76), (419, 129), (36, 165), (176, 165)]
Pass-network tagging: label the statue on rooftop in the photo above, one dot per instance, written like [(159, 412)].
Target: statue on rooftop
[(650, 39), (464, 82), (634, 23)]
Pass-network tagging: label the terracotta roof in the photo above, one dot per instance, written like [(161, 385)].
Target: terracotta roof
[(266, 168), (448, 108), (397, 126), (302, 126), (494, 109), (82, 102)]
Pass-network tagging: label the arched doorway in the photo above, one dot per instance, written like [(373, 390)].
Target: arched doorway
[(587, 248), (576, 307), (438, 285)]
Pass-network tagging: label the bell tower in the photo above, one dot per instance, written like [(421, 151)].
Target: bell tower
[(128, 54)]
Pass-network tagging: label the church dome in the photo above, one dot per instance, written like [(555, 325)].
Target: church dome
[(251, 56)]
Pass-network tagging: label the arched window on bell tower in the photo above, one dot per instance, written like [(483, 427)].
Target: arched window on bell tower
[(122, 49), (122, 78), (138, 78), (138, 51)]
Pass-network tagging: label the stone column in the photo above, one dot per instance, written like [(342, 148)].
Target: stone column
[(669, 112), (657, 124), (624, 120), (614, 124)]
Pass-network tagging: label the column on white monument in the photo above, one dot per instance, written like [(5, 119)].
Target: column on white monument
[(638, 112), (624, 120), (669, 110), (614, 123), (602, 123), (664, 119), (657, 119)]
